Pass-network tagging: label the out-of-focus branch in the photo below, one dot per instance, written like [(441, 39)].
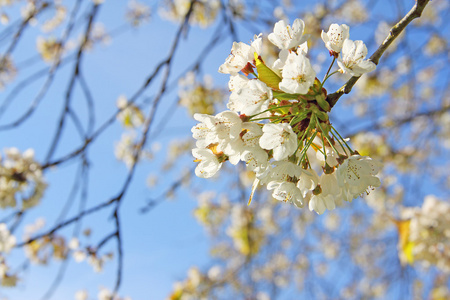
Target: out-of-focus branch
[(152, 203), (25, 23), (147, 125), (68, 222), (400, 122), (51, 74), (395, 31), (70, 88)]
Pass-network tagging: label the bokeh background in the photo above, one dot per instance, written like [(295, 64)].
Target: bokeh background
[(104, 93)]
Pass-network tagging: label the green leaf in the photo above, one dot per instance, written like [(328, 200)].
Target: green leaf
[(285, 96), (323, 116), (298, 118), (265, 74), (323, 102)]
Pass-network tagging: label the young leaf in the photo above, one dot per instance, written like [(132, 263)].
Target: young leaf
[(265, 74)]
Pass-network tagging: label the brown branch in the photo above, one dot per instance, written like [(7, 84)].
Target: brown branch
[(52, 72), (68, 222), (395, 31), (152, 203), (70, 88), (400, 122), (167, 63), (25, 23)]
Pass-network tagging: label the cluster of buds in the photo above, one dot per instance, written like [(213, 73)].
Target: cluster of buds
[(278, 124)]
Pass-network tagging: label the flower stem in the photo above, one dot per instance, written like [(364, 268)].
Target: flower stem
[(269, 109), (329, 69)]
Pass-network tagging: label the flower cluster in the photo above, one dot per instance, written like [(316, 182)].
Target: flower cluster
[(196, 284), (98, 35), (424, 234), (132, 118), (8, 71), (130, 115), (41, 250), (90, 254), (198, 96), (203, 13), (57, 19), (277, 122), (21, 179), (247, 238), (137, 13), (50, 49)]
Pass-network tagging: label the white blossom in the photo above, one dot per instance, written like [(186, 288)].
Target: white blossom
[(283, 170), (241, 54), (280, 138), (297, 73), (130, 115), (203, 132), (227, 125), (256, 159), (105, 294), (352, 60), (248, 139), (208, 162), (233, 150), (257, 43), (308, 180), (214, 273), (319, 203), (79, 255), (250, 135), (74, 243), (334, 38), (329, 196), (330, 186), (286, 191), (81, 295), (356, 175), (221, 129), (278, 65), (7, 241), (285, 37), (303, 48), (97, 261), (252, 98), (125, 149), (237, 82)]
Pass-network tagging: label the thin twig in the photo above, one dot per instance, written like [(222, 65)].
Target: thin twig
[(395, 31)]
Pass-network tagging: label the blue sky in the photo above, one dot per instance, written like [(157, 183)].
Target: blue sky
[(159, 246)]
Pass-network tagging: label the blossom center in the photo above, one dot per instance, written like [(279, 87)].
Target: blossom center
[(300, 78)]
